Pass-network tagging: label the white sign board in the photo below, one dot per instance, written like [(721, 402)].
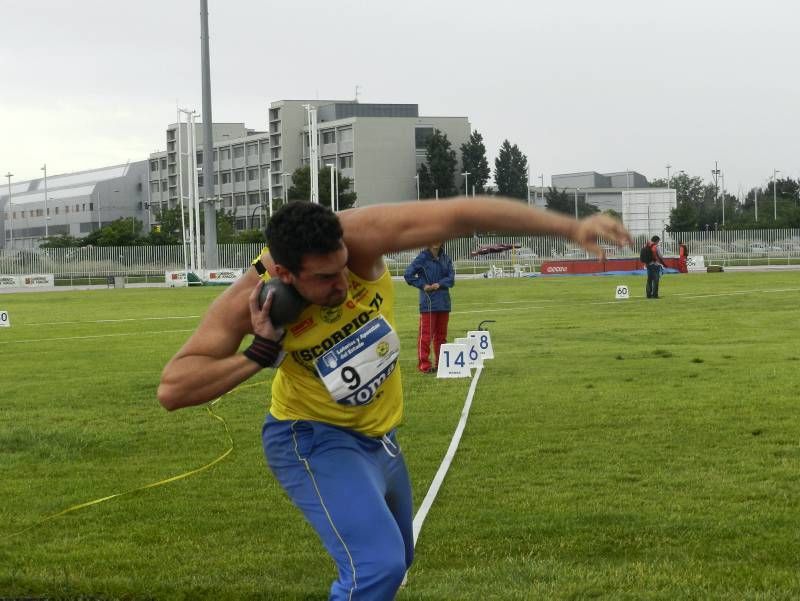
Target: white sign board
[(38, 280), (695, 263), (223, 276), (622, 292), (453, 361), (5, 320), (9, 281), (484, 343), (175, 279), (474, 358)]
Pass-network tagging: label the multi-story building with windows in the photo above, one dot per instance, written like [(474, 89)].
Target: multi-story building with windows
[(76, 203), (377, 146)]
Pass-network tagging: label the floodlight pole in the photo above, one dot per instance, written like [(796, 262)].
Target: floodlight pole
[(269, 189), (44, 168), (775, 173), (541, 189), (576, 202), (208, 144), (668, 168), (9, 175), (466, 183), (416, 179)]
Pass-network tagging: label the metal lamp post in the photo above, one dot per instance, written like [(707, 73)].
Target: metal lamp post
[(9, 175), (775, 173), (466, 183), (668, 168), (576, 202), (416, 179), (541, 186), (44, 168)]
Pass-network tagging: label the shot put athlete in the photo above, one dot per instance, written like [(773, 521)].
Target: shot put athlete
[(330, 434)]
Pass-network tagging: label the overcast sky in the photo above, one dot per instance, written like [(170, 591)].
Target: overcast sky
[(578, 85)]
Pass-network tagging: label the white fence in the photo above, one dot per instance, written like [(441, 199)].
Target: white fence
[(722, 247)]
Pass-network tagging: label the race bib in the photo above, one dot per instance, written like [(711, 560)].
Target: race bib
[(354, 368)]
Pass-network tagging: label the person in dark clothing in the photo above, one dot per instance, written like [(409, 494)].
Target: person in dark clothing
[(432, 272), (654, 267)]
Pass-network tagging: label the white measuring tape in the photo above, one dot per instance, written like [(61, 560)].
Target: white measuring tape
[(433, 490)]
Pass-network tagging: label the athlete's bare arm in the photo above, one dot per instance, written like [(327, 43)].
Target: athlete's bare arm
[(209, 364), (373, 231)]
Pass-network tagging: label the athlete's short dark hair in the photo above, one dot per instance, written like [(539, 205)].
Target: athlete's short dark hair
[(655, 239), (302, 228)]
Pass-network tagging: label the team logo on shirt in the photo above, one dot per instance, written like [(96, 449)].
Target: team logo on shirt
[(382, 348), (331, 314)]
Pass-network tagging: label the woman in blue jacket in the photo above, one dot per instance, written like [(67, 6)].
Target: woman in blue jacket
[(432, 272)]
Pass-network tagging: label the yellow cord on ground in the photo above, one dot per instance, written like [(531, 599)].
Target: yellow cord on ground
[(153, 484)]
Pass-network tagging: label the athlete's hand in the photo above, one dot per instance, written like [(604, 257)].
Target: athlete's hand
[(259, 318), (589, 229)]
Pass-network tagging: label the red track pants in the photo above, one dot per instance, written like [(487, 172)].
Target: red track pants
[(431, 325)]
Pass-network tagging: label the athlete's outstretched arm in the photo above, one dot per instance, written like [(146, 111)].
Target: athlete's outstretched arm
[(370, 232)]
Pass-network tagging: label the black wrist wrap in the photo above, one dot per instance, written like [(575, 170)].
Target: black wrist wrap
[(263, 351)]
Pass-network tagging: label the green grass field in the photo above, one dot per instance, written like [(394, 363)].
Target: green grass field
[(616, 450)]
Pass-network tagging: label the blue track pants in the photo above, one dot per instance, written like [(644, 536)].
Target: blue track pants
[(355, 492)]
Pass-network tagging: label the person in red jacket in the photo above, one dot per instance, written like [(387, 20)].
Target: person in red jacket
[(682, 255)]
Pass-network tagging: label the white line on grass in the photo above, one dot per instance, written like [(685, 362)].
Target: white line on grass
[(90, 337), (61, 323), (436, 484)]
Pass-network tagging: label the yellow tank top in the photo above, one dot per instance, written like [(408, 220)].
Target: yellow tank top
[(349, 353)]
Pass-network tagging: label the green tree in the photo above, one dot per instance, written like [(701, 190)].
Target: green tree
[(60, 241), (473, 161), (440, 168), (301, 187), (564, 202), (511, 171), (125, 231)]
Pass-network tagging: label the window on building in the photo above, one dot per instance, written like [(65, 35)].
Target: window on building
[(238, 175), (241, 223), (170, 134), (252, 150), (255, 223), (48, 211), (77, 208), (346, 135), (163, 163), (238, 151), (241, 200), (252, 198), (227, 201), (226, 177), (199, 181), (225, 154), (57, 210), (252, 175), (163, 185), (421, 137), (216, 179), (216, 156), (275, 140), (274, 114), (264, 173), (275, 153), (154, 187), (199, 157), (153, 165), (22, 215), (264, 152), (346, 162), (40, 212), (329, 137)]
